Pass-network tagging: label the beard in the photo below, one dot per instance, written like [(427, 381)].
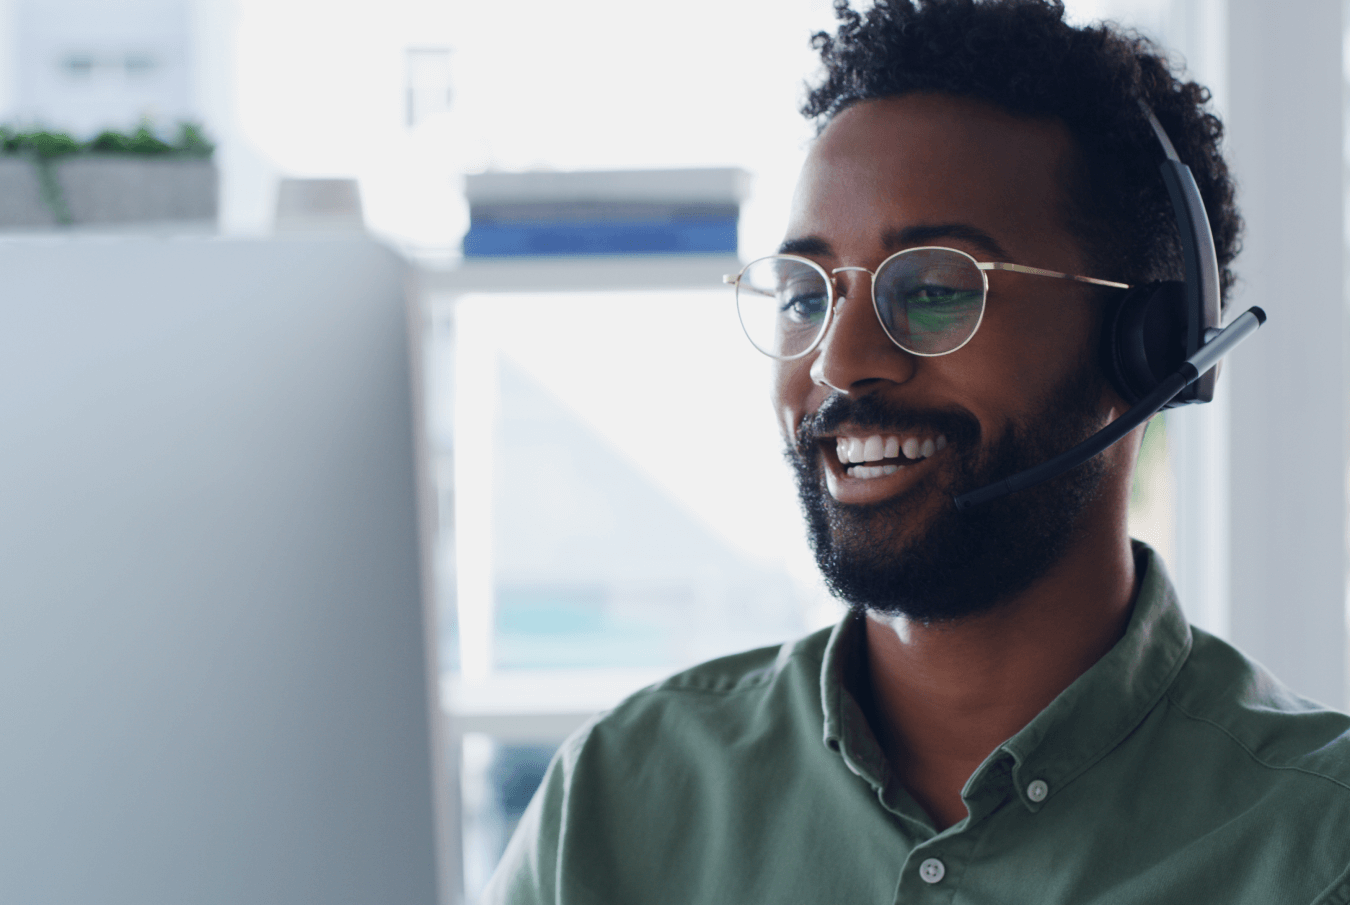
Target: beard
[(959, 564)]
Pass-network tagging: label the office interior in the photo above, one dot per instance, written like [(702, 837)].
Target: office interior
[(330, 505)]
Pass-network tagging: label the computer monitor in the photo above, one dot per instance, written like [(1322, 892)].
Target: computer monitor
[(214, 681)]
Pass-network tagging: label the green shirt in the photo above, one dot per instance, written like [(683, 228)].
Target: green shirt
[(1174, 770)]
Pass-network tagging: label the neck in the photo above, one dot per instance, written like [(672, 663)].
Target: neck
[(945, 696)]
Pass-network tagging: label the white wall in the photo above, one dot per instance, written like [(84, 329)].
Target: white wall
[(107, 34), (1287, 440)]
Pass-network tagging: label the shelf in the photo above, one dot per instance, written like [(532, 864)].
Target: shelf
[(573, 274)]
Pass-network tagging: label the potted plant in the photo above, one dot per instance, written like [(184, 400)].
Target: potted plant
[(49, 179)]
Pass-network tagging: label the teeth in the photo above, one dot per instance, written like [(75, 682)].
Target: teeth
[(852, 451), (872, 449)]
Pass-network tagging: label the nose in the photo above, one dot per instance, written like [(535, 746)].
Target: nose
[(856, 355)]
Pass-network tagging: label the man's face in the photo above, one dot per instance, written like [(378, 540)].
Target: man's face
[(929, 169)]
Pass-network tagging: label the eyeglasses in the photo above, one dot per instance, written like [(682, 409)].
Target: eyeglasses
[(930, 300)]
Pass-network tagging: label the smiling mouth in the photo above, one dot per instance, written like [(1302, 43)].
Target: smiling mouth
[(881, 455)]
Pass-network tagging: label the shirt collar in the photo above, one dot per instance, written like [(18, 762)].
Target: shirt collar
[(1077, 729), (847, 732)]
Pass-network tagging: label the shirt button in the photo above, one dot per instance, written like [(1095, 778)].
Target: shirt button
[(1037, 790), (932, 870)]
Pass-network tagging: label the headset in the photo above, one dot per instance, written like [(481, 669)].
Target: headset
[(1161, 342)]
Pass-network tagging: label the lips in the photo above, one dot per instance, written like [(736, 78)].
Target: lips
[(869, 449), (866, 467)]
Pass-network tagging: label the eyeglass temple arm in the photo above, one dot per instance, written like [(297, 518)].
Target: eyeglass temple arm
[(732, 279), (1038, 272)]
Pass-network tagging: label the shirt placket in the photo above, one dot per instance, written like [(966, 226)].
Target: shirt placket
[(934, 869)]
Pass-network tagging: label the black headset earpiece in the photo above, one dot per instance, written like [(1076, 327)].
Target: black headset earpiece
[(1150, 330), (1143, 337)]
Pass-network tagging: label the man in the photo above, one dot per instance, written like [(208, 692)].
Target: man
[(1015, 709)]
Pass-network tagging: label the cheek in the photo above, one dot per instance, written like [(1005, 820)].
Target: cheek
[(792, 389), (1022, 356)]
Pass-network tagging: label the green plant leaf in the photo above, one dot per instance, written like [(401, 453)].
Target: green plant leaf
[(190, 141)]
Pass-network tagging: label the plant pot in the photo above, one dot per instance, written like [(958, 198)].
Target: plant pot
[(108, 189)]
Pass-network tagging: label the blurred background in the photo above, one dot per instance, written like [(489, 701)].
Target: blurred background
[(518, 459)]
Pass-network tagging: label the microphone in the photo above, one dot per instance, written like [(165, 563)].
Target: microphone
[(1205, 358)]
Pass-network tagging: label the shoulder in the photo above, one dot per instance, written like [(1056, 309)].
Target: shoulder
[(1241, 705), (770, 690), (744, 673), (640, 787), (1271, 768), (672, 793)]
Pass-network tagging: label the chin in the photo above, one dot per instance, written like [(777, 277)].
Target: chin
[(915, 555)]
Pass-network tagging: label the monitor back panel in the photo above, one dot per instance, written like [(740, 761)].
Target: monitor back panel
[(213, 681)]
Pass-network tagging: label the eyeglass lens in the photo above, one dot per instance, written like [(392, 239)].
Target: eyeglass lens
[(929, 301)]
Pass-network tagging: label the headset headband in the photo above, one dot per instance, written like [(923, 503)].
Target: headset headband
[(1198, 255)]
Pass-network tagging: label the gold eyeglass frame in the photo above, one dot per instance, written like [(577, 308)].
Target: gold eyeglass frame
[(830, 279)]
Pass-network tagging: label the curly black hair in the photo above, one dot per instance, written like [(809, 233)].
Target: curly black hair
[(1021, 56)]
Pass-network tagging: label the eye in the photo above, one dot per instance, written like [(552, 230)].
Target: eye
[(936, 295), (804, 306)]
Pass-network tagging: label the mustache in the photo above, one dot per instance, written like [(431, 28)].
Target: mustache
[(871, 412)]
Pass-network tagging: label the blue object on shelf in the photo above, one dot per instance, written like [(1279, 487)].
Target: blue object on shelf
[(541, 238), (600, 213)]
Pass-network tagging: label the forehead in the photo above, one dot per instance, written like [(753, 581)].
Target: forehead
[(883, 166)]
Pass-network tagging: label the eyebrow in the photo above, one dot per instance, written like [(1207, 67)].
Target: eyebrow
[(808, 245), (908, 237)]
